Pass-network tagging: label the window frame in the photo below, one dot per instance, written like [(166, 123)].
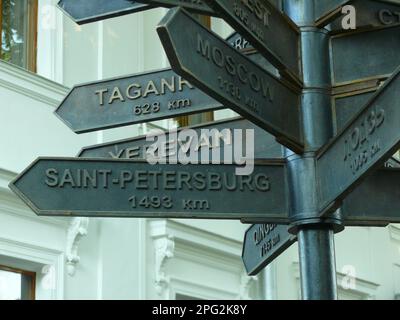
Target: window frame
[(31, 34), (30, 274)]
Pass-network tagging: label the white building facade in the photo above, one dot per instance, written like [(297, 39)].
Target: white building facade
[(82, 258)]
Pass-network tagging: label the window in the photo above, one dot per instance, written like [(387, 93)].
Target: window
[(18, 30), (16, 284), (199, 118)]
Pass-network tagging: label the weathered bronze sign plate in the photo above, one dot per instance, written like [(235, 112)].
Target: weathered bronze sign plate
[(364, 55), (232, 78), (127, 188), (375, 202), (85, 11), (367, 141), (262, 244), (132, 99)]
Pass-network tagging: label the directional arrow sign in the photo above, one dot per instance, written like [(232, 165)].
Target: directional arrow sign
[(127, 188), (327, 10), (382, 189), (232, 78), (192, 5), (364, 55), (132, 99), (371, 14), (272, 33), (217, 135), (85, 11), (366, 142), (262, 244)]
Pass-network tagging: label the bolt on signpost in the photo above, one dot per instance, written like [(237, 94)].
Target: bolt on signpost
[(293, 68)]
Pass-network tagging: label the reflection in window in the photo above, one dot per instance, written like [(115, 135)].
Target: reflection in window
[(18, 29), (16, 284)]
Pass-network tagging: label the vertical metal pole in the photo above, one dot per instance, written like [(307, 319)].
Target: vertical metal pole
[(315, 234), (317, 263), (269, 282)]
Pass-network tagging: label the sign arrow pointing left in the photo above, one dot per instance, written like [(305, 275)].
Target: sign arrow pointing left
[(136, 188), (138, 98)]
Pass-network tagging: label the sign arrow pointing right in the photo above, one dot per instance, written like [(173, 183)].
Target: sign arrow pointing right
[(363, 146), (233, 79)]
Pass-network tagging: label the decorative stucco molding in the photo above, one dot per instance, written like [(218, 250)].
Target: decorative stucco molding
[(164, 250), (246, 283), (77, 229)]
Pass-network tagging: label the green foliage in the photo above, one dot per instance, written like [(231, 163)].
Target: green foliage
[(11, 37)]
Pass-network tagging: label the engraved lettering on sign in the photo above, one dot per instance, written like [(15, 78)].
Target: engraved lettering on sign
[(210, 139), (179, 104), (265, 237), (150, 181), (138, 90), (256, 82), (262, 232), (154, 202), (196, 204), (246, 10), (147, 108), (388, 17), (361, 144)]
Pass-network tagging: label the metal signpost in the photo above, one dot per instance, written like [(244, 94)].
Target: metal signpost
[(232, 78), (330, 96)]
